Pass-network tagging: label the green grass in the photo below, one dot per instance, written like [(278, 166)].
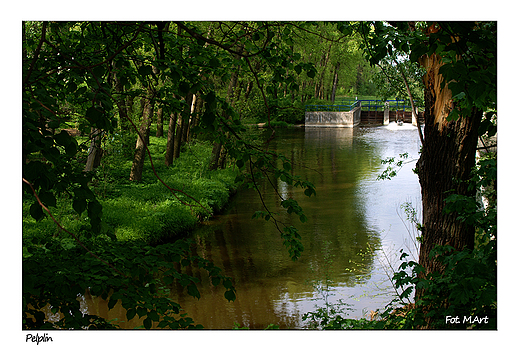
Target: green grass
[(147, 210)]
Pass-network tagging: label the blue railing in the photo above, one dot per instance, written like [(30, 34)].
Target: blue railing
[(336, 108), (366, 105)]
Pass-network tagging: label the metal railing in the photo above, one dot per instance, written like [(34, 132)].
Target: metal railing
[(331, 107), (366, 105)]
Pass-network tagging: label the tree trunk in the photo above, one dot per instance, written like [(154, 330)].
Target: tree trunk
[(199, 103), (187, 116), (447, 157), (215, 156), (248, 90), (159, 132), (120, 99), (136, 172), (168, 158), (94, 152), (177, 140), (335, 82)]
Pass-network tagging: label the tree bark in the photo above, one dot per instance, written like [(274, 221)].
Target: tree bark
[(215, 156), (136, 172), (94, 152), (187, 115), (182, 126), (177, 139), (335, 82), (160, 130), (447, 157), (123, 105), (168, 158)]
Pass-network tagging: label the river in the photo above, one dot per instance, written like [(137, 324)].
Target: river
[(354, 231)]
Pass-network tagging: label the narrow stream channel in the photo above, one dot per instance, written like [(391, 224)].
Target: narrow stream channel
[(354, 231)]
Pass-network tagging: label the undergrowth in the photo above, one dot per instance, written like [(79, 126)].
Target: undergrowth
[(145, 210)]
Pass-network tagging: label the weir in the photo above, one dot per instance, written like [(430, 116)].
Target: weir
[(333, 118), (359, 112)]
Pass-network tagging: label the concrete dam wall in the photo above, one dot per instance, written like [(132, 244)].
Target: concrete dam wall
[(333, 118)]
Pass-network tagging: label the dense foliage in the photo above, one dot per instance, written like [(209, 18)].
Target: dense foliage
[(92, 92)]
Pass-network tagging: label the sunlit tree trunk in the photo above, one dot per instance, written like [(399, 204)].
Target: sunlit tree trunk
[(187, 115), (195, 114), (447, 157)]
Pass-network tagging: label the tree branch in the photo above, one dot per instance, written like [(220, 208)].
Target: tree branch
[(36, 53)]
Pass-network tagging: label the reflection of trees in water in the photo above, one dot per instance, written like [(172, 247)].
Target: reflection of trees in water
[(271, 289)]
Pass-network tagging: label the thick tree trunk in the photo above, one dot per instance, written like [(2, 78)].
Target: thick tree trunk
[(447, 157), (136, 172)]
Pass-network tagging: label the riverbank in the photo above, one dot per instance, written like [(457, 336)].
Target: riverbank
[(146, 211)]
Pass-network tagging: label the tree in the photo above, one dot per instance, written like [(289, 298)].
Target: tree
[(459, 96), (66, 67), (81, 72)]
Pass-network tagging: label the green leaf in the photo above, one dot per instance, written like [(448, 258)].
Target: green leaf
[(145, 70), (94, 208), (141, 311), (63, 138), (98, 71), (111, 303), (215, 280), (130, 313), (309, 192), (193, 291), (230, 295), (48, 199), (227, 283), (71, 149), (93, 114), (147, 323), (79, 205), (153, 315), (36, 211)]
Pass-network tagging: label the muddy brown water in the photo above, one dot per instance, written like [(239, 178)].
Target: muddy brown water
[(354, 230)]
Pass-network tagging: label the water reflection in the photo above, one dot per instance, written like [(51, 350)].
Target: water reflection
[(352, 216)]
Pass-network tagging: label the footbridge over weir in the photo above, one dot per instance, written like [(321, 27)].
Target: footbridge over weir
[(358, 112)]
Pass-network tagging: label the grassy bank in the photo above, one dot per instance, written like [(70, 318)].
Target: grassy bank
[(144, 210)]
